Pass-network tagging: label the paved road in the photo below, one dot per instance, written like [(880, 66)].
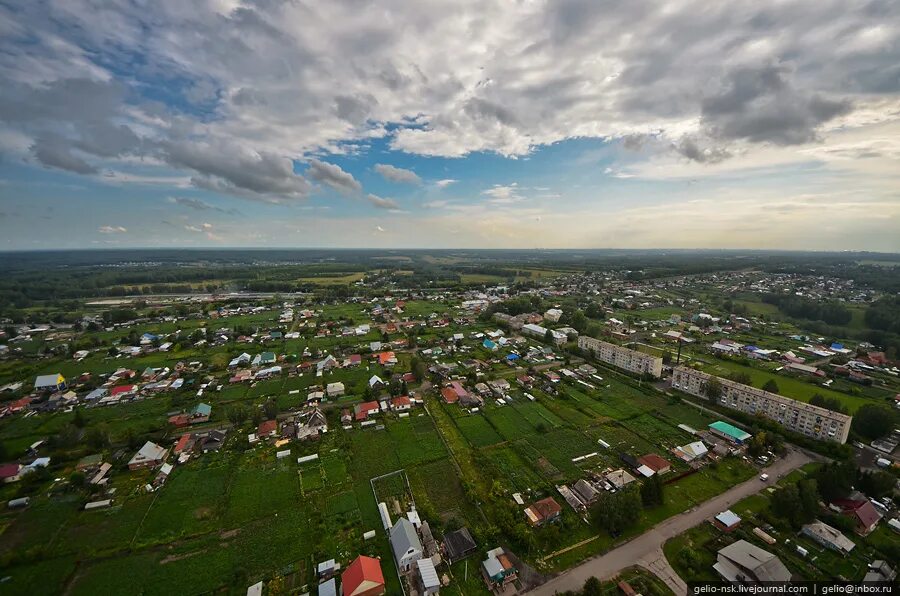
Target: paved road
[(646, 549)]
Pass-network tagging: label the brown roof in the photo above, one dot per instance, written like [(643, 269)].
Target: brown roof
[(546, 507), (655, 462), (449, 395)]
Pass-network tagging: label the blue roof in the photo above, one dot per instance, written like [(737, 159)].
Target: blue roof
[(837, 346), (512, 357), (488, 344)]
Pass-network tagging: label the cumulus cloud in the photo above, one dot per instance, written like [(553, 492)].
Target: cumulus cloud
[(332, 175), (112, 229), (53, 152), (236, 169), (760, 104), (503, 194), (264, 90), (394, 174), (382, 203)]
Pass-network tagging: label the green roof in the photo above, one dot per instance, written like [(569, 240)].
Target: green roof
[(202, 410), (730, 430)]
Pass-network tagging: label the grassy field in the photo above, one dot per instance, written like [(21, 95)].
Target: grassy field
[(793, 387)]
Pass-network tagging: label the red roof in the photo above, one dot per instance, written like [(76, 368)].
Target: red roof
[(449, 395), (182, 443), (122, 389), (361, 576), (654, 462), (403, 400), (363, 409), (19, 404), (458, 389), (267, 427), (8, 471), (862, 510), (409, 378), (179, 420)]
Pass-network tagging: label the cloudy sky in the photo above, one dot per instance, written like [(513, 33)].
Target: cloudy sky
[(559, 123)]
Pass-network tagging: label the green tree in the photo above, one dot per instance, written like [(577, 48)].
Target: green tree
[(97, 437), (835, 480), (271, 408), (786, 504), (652, 492), (616, 512), (592, 587), (713, 389), (877, 484), (237, 415), (874, 421), (771, 386)]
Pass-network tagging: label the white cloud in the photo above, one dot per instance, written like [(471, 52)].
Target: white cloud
[(445, 182), (112, 229), (503, 194)]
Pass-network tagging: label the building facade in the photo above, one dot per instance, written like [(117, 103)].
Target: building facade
[(812, 421), (622, 357)]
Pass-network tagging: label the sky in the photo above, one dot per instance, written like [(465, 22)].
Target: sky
[(769, 124)]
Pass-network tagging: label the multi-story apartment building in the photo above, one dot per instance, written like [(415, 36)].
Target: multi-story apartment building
[(622, 357), (794, 415)]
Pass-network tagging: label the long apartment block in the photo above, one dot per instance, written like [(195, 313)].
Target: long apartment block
[(622, 357), (800, 417)]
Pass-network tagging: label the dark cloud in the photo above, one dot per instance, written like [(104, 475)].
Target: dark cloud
[(482, 109), (759, 104), (105, 139), (76, 100), (333, 176), (231, 168), (394, 174), (354, 110), (55, 152), (689, 148), (199, 205)]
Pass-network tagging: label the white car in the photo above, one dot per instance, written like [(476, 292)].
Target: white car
[(764, 477)]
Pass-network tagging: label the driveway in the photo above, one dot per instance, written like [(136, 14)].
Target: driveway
[(646, 550)]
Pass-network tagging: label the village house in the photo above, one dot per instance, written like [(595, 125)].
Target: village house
[(743, 562), (543, 511), (458, 545), (150, 455), (828, 537), (267, 428), (363, 577), (334, 389), (497, 569), (656, 463), (861, 511), (54, 382), (401, 403), (727, 521), (405, 543), (364, 410)]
